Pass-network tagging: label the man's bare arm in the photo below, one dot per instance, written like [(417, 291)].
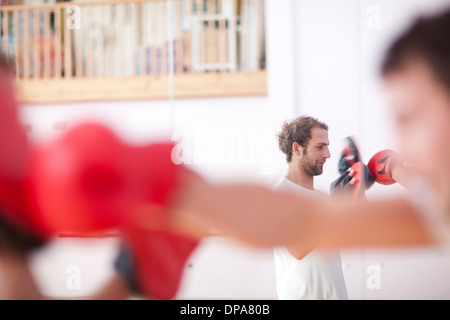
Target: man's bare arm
[(262, 217)]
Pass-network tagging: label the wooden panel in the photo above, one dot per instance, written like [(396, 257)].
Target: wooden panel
[(26, 44), (36, 45), (58, 47), (100, 41), (89, 40), (67, 50), (47, 44), (142, 87)]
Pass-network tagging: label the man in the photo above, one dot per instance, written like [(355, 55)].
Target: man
[(300, 273)]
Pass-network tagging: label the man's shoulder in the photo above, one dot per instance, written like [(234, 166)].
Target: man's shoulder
[(280, 184), (283, 184)]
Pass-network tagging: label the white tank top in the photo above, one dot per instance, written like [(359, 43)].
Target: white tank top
[(317, 276)]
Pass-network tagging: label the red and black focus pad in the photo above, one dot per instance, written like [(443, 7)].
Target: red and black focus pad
[(381, 164), (349, 155), (356, 180), (361, 179), (341, 184)]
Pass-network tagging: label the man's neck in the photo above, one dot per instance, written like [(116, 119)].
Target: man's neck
[(300, 177)]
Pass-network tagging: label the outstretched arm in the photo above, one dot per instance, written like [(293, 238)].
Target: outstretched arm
[(262, 217)]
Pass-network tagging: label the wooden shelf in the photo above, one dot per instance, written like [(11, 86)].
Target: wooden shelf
[(142, 87)]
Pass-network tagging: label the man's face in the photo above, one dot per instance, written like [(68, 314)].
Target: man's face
[(314, 156), (421, 108)]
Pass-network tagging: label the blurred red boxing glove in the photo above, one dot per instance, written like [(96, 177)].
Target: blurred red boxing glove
[(78, 183), (381, 164), (89, 180), (159, 255), (158, 259)]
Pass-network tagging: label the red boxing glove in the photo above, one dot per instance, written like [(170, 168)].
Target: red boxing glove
[(78, 182), (381, 164), (88, 180), (159, 258)]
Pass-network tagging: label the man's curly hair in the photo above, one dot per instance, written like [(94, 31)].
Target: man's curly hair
[(297, 130)]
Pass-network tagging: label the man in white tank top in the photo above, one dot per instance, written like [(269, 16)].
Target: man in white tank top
[(301, 272)]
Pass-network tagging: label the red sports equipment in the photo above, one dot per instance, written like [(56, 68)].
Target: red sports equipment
[(380, 166), (349, 155), (89, 180), (360, 178), (14, 159)]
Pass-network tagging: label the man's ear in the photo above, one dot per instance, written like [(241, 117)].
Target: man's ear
[(296, 149)]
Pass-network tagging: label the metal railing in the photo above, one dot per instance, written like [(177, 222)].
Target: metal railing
[(114, 39)]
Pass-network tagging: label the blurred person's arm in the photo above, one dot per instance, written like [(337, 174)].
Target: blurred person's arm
[(403, 175), (247, 213)]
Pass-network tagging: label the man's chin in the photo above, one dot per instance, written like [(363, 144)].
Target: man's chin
[(318, 172), (313, 170)]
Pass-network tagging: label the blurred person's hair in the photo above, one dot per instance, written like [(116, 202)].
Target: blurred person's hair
[(297, 130), (427, 39)]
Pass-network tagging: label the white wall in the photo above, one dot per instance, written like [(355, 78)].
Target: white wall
[(323, 57), (223, 138)]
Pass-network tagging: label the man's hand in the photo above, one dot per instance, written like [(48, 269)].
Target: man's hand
[(353, 182)]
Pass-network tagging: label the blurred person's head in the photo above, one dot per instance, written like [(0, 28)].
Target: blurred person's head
[(416, 72), (305, 142)]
